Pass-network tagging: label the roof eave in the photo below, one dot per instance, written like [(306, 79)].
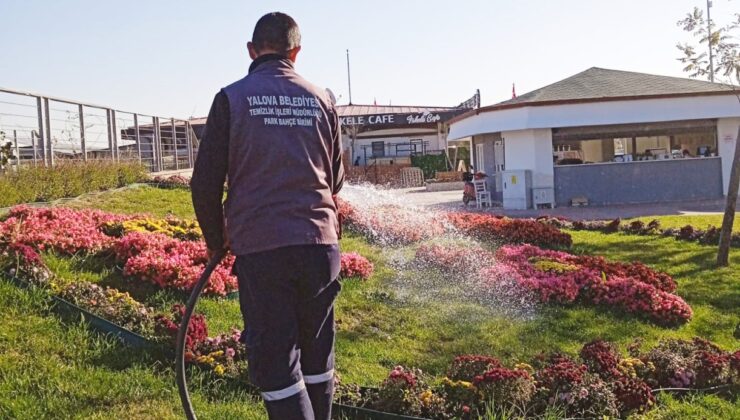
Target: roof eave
[(499, 107)]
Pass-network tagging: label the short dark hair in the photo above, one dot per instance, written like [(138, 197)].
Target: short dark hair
[(276, 31)]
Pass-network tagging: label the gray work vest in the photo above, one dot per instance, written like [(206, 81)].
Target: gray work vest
[(283, 148)]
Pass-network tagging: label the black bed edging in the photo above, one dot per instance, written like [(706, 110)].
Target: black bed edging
[(95, 322), (341, 411), (102, 325), (135, 340)]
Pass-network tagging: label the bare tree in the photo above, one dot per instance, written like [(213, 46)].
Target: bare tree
[(721, 41), (722, 57)]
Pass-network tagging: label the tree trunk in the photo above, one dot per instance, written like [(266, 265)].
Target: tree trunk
[(725, 236)]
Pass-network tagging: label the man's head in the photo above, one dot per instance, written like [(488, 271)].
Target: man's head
[(275, 33)]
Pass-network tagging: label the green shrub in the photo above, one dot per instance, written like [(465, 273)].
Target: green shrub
[(32, 184), (130, 174), (430, 164)]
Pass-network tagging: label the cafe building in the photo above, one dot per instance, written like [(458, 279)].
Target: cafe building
[(605, 137), (385, 135)]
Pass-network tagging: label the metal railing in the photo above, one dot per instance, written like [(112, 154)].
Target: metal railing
[(45, 130)]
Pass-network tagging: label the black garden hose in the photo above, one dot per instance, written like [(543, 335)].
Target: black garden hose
[(182, 333)]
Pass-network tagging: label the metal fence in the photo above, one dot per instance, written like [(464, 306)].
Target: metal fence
[(45, 131)]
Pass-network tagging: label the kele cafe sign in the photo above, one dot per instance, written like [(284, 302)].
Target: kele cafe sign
[(425, 117)]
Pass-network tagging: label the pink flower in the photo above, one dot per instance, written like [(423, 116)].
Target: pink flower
[(355, 265), (560, 277), (60, 229), (171, 263)]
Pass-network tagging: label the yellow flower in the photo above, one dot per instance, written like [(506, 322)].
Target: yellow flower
[(219, 369), (425, 397), (546, 265), (465, 384), (524, 366)]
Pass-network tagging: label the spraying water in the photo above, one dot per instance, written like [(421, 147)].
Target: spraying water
[(434, 262)]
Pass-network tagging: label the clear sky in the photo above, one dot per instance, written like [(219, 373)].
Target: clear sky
[(170, 57)]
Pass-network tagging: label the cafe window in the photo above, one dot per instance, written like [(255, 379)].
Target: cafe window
[(634, 143), (378, 148)]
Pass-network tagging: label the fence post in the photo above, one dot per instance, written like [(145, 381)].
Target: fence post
[(157, 146), (108, 130), (17, 150), (174, 143), (189, 141), (137, 136), (83, 144), (48, 148), (34, 136), (41, 134), (114, 135)]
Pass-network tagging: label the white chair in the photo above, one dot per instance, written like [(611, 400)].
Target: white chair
[(482, 195)]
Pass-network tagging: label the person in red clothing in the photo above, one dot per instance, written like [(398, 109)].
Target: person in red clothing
[(276, 138)]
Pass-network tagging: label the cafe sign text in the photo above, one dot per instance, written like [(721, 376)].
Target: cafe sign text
[(425, 117)]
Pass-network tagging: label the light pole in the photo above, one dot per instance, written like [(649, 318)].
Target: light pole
[(349, 81), (709, 37)]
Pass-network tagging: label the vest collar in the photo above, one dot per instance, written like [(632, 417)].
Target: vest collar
[(259, 61)]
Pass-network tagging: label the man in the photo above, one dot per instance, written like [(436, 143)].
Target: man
[(277, 138)]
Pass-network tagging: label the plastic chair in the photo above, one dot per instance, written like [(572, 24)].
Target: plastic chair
[(482, 195)]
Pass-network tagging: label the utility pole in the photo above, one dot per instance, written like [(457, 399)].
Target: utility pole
[(349, 81), (709, 43)]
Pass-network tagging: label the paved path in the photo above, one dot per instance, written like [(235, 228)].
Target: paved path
[(453, 200)]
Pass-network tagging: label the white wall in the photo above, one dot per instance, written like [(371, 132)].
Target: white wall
[(597, 113), (531, 149), (726, 142)]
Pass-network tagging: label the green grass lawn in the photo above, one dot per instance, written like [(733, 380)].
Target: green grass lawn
[(48, 366), (50, 369), (141, 199)]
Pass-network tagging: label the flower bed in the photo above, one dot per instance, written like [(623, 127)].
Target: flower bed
[(559, 277), (493, 228), (172, 181), (58, 229), (600, 383), (150, 257), (708, 236), (171, 263), (400, 226), (166, 252), (565, 278), (224, 354), (111, 304)]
